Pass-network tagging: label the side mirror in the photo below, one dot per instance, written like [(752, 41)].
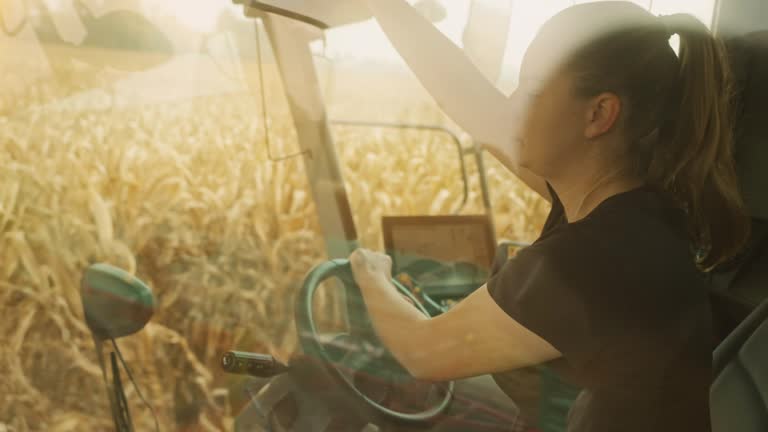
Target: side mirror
[(115, 302)]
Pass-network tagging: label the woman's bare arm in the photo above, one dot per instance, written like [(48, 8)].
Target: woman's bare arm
[(475, 337)]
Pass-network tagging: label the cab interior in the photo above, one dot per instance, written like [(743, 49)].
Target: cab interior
[(429, 263)]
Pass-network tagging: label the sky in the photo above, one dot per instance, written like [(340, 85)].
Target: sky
[(360, 42), (365, 40)]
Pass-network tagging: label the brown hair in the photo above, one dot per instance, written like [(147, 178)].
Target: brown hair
[(677, 115)]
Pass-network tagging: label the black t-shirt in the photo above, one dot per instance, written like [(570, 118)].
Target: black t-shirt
[(619, 295)]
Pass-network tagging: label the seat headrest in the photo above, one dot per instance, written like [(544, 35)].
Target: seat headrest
[(749, 58)]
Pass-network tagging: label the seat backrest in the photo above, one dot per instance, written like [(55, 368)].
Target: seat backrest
[(739, 286), (749, 57), (739, 393)]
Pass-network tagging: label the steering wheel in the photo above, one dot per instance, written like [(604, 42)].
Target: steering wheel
[(358, 360)]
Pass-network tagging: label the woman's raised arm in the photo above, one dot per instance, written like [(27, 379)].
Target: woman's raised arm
[(457, 85)]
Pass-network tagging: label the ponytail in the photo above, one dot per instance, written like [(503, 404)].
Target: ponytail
[(694, 159)]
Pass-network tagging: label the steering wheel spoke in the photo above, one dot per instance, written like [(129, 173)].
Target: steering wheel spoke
[(356, 360)]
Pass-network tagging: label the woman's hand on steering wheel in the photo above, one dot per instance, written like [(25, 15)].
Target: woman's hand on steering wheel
[(368, 266)]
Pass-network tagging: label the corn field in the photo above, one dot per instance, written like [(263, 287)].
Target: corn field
[(183, 195)]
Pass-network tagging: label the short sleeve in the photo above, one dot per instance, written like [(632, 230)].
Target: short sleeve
[(539, 289)]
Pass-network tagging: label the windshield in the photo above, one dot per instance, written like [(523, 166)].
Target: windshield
[(173, 141)]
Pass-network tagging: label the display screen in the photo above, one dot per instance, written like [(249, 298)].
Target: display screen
[(448, 239)]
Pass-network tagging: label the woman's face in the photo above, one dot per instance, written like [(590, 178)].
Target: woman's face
[(551, 117)]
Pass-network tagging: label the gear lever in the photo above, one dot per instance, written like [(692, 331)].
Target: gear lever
[(247, 363)]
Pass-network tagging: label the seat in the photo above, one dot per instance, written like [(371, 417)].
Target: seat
[(738, 287), (739, 393)]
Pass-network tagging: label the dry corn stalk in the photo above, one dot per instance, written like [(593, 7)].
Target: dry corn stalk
[(182, 195)]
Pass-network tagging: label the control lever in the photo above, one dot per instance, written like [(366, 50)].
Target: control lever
[(248, 363)]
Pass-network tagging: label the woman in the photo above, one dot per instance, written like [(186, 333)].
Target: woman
[(632, 146)]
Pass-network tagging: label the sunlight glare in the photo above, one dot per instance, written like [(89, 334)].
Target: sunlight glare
[(199, 15)]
